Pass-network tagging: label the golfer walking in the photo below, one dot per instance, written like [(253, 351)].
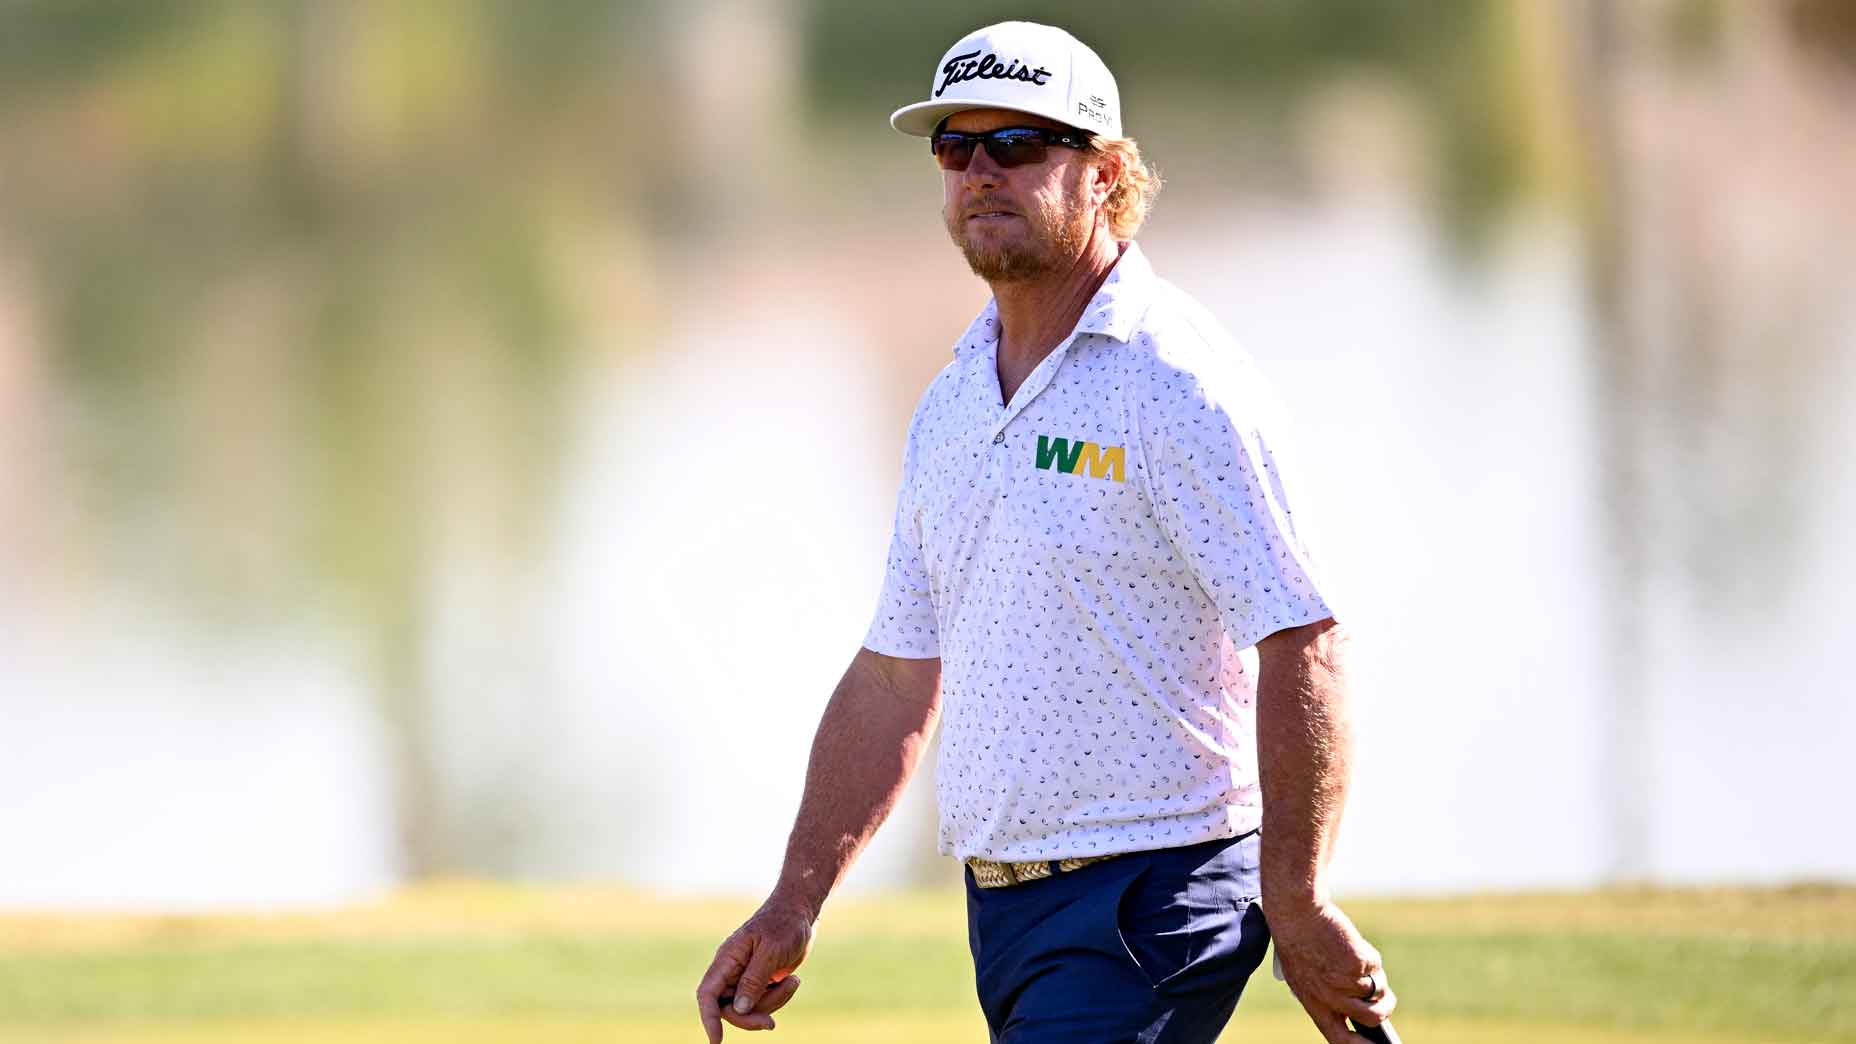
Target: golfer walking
[(1098, 585)]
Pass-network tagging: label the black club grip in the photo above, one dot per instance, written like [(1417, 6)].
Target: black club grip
[(1380, 1034)]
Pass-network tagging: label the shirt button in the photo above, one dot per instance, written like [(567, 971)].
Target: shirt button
[(996, 439)]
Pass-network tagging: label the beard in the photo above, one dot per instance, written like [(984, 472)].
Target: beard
[(1053, 243)]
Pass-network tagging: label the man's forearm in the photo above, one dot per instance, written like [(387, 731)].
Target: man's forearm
[(1304, 756), (870, 741)]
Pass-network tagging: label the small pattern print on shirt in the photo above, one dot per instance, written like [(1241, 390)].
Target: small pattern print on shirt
[(1092, 563)]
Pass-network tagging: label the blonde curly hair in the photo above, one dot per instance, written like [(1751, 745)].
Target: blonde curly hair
[(1132, 198)]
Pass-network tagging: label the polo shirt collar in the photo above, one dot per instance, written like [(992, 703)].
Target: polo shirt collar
[(981, 332), (1114, 311), (1123, 298)]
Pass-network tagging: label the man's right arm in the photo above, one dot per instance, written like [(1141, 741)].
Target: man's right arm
[(869, 743)]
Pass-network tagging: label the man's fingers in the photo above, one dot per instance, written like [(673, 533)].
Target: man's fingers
[(1334, 1029), (711, 1019), (776, 997), (1348, 982), (730, 958), (753, 1020), (1370, 1013), (748, 989), (717, 981), (762, 965), (761, 1018)]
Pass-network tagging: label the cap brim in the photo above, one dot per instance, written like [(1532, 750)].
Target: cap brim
[(922, 118)]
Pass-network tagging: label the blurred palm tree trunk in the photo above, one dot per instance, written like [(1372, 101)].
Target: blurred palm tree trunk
[(1624, 497), (325, 135), (1717, 224)]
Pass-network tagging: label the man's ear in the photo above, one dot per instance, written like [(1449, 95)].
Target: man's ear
[(1106, 172)]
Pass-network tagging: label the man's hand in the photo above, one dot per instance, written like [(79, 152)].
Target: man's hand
[(1331, 969), (1305, 756), (868, 745), (755, 965)]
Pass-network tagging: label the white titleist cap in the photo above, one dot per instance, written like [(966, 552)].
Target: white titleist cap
[(1022, 66)]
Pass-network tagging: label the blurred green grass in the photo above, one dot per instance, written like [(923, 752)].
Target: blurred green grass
[(465, 963)]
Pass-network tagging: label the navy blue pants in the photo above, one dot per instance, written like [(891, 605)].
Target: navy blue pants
[(1147, 948)]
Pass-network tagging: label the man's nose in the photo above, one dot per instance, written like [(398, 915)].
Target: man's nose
[(982, 169)]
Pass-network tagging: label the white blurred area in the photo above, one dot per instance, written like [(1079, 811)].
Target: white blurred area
[(144, 769), (639, 707)]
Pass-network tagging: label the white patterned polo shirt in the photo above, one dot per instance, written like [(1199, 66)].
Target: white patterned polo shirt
[(1093, 564)]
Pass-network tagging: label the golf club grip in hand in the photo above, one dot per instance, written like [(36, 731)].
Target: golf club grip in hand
[(1380, 1034)]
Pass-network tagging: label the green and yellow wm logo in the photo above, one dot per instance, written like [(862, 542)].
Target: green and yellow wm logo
[(1072, 456)]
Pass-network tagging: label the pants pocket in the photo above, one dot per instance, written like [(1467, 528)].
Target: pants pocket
[(1192, 927), (1155, 936)]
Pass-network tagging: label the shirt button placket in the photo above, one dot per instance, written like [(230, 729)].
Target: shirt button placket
[(998, 438)]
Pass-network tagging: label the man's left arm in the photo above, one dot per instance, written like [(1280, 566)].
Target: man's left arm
[(1304, 755), (1220, 483)]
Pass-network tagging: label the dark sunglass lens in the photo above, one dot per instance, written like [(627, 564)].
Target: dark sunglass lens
[(1012, 148), (954, 151)]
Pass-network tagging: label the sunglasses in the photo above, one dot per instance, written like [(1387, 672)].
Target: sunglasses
[(1008, 146)]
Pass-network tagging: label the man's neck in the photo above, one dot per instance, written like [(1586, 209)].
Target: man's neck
[(1035, 316)]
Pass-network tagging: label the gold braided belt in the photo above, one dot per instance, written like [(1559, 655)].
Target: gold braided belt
[(989, 874)]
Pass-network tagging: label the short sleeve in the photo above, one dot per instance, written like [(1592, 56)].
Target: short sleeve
[(1217, 475), (904, 624)]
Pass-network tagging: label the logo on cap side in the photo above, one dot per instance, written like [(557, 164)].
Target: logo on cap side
[(961, 68)]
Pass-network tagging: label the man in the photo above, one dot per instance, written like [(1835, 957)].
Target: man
[(1097, 580)]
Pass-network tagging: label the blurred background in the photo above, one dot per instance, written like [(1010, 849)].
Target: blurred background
[(447, 450), (458, 439)]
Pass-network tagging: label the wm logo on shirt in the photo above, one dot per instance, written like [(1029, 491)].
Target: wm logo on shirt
[(1071, 457)]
